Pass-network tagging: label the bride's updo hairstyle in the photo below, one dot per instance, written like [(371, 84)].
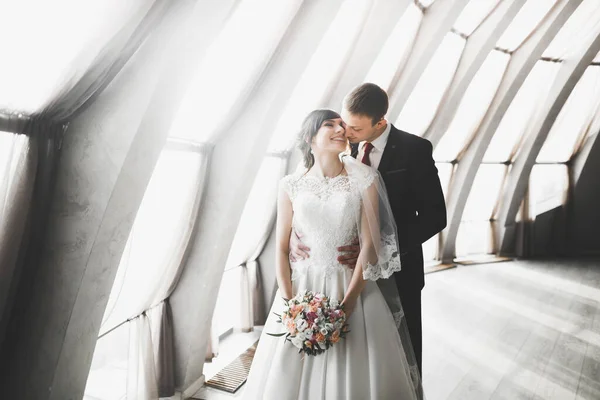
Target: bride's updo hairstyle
[(311, 125)]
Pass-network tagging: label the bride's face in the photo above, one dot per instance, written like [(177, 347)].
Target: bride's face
[(331, 137)]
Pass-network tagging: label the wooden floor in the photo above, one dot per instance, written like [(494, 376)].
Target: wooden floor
[(513, 330)]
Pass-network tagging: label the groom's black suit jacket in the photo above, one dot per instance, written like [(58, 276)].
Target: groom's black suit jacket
[(416, 199)]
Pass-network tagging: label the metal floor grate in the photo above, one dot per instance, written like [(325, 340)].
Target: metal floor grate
[(234, 375)]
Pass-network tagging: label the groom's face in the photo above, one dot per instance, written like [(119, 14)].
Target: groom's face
[(359, 127)]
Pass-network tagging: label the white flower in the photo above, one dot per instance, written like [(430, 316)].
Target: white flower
[(296, 341), (323, 331), (301, 325)]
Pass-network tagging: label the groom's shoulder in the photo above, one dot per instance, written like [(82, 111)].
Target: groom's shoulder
[(408, 140)]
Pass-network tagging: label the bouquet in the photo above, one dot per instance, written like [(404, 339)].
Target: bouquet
[(313, 322)]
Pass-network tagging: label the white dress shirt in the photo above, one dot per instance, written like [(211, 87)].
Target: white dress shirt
[(378, 147)]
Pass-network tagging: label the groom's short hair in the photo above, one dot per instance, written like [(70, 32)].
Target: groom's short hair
[(367, 99)]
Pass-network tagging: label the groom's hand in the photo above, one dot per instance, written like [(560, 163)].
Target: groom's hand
[(349, 254), (298, 250)]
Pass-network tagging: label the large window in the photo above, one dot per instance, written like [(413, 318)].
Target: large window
[(321, 73), (475, 230), (573, 122), (149, 267), (576, 33), (396, 49), (522, 110), (548, 185), (472, 108), (423, 103), (53, 43), (473, 15), (529, 17), (231, 66)]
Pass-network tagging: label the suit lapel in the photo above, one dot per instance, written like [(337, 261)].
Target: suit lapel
[(354, 147), (390, 150)]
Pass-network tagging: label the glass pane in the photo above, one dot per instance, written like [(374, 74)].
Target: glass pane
[(597, 58), (52, 43), (473, 15), (256, 219), (574, 119), (107, 378), (250, 37), (528, 18), (160, 230), (396, 49), (577, 31), (319, 75), (228, 308), (11, 148), (484, 192), (521, 112), (421, 106), (474, 232), (474, 237), (548, 185), (472, 107)]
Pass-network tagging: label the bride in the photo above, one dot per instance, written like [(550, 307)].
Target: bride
[(331, 202)]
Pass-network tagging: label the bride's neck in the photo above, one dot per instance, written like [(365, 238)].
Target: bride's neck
[(327, 165)]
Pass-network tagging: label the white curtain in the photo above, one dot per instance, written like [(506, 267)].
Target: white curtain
[(156, 247), (252, 232), (67, 49), (18, 162), (49, 74), (150, 266)]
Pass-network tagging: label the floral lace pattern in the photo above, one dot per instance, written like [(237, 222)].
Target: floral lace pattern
[(324, 213), (388, 263)]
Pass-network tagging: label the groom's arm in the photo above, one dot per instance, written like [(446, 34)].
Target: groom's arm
[(428, 197)]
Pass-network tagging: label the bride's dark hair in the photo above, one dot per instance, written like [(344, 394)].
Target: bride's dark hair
[(311, 125)]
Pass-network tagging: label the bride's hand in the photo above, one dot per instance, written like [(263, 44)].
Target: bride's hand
[(349, 306)]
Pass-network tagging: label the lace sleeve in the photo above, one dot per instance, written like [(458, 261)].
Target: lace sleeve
[(287, 184), (377, 224)]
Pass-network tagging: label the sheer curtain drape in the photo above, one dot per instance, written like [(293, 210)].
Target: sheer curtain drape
[(87, 48), (38, 96)]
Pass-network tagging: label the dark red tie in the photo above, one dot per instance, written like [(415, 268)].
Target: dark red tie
[(368, 147)]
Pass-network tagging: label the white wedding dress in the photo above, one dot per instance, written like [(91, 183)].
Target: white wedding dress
[(370, 363)]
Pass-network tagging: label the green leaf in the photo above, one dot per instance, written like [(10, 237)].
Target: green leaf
[(276, 334)]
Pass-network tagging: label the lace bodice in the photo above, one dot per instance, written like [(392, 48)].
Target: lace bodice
[(325, 213)]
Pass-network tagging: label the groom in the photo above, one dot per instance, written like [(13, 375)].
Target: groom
[(414, 191)]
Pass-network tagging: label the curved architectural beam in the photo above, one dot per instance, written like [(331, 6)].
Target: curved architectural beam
[(579, 163), (235, 161), (368, 46), (517, 183), (437, 22), (478, 46), (521, 63), (93, 207)]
